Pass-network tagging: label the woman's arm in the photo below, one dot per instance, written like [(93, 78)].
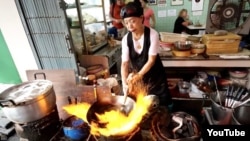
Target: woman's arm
[(125, 61), (111, 10), (114, 19), (124, 72), (186, 23)]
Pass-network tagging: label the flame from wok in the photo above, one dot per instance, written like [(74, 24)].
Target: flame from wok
[(118, 124)]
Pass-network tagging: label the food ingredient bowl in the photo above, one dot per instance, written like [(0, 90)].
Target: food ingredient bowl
[(194, 39), (239, 73), (197, 48), (184, 87), (179, 53), (166, 44), (182, 45)]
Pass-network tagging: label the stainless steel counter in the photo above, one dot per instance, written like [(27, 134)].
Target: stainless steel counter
[(200, 61), (113, 54)]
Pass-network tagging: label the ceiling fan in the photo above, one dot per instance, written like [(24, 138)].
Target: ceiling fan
[(230, 15)]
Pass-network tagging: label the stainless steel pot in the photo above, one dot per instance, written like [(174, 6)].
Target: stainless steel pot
[(241, 114), (28, 101)]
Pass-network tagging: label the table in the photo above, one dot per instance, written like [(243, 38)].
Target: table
[(196, 30), (192, 27)]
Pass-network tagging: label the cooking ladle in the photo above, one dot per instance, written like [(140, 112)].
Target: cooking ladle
[(123, 106)]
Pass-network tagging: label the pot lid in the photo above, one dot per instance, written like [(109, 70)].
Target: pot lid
[(26, 91)]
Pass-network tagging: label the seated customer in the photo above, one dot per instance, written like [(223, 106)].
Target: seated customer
[(181, 22)]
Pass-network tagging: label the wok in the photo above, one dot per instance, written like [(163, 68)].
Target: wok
[(110, 103)]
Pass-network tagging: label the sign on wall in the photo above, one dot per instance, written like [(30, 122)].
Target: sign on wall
[(197, 5), (177, 2)]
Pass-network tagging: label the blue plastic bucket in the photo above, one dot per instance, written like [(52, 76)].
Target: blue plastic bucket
[(75, 128)]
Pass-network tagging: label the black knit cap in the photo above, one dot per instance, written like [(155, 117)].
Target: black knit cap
[(131, 9)]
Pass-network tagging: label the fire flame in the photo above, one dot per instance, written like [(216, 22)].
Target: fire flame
[(117, 123)]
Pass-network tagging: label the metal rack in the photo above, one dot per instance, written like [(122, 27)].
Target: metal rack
[(88, 43)]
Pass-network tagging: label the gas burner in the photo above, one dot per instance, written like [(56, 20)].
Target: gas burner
[(40, 130), (133, 136), (178, 125)]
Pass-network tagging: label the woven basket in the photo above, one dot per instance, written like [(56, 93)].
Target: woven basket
[(221, 44), (172, 37)]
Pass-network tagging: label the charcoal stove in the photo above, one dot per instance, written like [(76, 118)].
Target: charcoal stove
[(41, 130), (164, 129)]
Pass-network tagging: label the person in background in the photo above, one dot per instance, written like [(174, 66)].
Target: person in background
[(118, 30), (181, 22), (148, 14), (140, 59)]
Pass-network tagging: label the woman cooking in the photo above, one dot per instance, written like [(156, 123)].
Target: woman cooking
[(181, 22), (140, 51)]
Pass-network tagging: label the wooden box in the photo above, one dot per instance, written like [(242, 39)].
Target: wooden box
[(221, 44)]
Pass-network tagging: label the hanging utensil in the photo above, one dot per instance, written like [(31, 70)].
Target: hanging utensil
[(217, 91), (230, 95), (246, 101), (237, 97), (227, 95), (235, 93)]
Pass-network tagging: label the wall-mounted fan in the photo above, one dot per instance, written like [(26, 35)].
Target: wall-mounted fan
[(230, 15)]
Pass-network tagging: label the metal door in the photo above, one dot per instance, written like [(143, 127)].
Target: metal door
[(48, 33)]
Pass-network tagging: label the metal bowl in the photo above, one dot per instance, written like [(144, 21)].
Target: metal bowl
[(184, 87), (183, 45)]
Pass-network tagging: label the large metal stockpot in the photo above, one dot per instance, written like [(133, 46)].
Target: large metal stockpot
[(28, 101)]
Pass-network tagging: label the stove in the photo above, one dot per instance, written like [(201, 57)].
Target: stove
[(151, 129), (41, 130), (175, 126)]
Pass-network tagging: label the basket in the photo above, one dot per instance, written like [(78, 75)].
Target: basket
[(172, 37), (221, 44)]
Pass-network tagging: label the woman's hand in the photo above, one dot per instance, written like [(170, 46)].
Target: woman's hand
[(133, 78)]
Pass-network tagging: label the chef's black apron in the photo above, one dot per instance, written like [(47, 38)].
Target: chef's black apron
[(155, 78)]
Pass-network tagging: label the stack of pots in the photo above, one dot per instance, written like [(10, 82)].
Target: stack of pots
[(29, 101)]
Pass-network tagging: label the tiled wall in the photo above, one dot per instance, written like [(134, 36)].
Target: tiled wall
[(167, 24)]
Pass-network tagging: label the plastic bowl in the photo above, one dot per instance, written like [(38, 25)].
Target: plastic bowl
[(197, 48)]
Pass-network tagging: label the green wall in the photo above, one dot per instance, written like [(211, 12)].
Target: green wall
[(8, 71), (166, 24)]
